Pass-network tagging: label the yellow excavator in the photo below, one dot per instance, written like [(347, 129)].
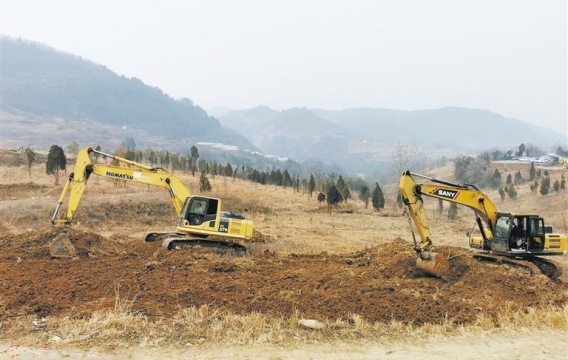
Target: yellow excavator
[(504, 236), (200, 219)]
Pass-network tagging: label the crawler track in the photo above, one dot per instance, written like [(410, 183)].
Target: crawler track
[(172, 241), (550, 268), (536, 265)]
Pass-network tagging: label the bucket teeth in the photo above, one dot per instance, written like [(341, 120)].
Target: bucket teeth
[(435, 264), (61, 247)]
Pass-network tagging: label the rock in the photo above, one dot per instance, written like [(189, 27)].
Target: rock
[(311, 324)]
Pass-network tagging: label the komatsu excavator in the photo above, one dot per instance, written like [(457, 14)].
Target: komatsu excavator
[(200, 219), (504, 236)]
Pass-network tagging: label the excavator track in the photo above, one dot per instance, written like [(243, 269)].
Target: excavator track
[(551, 269), (533, 266), (218, 246), (173, 241)]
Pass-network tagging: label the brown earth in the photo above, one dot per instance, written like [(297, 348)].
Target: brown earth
[(379, 284)]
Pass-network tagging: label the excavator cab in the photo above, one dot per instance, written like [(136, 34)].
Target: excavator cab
[(518, 235), (198, 210), (202, 216)]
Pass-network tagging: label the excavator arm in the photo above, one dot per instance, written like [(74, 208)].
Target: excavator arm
[(464, 194), (74, 188), (135, 172)]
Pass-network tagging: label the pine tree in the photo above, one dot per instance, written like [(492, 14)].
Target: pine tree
[(519, 178), (311, 185), (228, 170), (55, 161), (511, 191), (496, 179), (509, 179), (545, 186), (204, 184), (378, 199), (343, 188), (502, 194), (194, 153), (365, 195), (333, 197), (31, 156), (453, 211)]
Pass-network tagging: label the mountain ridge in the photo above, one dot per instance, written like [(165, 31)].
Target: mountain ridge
[(52, 97)]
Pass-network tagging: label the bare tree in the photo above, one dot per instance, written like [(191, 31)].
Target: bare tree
[(407, 157), (73, 148), (31, 156)]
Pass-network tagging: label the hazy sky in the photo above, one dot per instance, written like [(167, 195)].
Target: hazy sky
[(506, 56)]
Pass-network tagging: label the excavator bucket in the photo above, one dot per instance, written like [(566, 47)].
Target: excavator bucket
[(436, 264), (61, 247)]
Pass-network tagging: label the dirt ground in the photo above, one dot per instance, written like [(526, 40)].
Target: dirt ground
[(378, 284), (521, 346)]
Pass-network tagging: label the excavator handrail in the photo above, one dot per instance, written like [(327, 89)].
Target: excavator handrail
[(465, 186)]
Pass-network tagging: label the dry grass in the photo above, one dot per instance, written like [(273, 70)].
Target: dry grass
[(298, 224), (206, 326)]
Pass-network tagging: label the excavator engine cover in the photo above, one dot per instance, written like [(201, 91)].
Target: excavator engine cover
[(436, 264), (61, 247)]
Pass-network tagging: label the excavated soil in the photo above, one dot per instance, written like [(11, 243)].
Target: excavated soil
[(379, 284)]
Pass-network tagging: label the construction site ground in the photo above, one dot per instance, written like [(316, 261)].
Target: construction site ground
[(377, 282), (380, 283)]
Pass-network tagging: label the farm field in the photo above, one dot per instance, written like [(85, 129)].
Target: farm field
[(351, 271)]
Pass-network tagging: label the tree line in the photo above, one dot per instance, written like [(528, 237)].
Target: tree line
[(332, 189)]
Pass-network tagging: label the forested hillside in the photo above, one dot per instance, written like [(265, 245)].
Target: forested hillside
[(39, 80)]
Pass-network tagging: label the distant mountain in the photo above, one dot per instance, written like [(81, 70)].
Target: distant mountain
[(362, 138), (454, 127), (39, 82), (50, 97), (219, 111)]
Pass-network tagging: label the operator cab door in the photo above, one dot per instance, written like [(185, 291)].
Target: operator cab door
[(500, 242), (527, 234), (199, 211), (536, 234)]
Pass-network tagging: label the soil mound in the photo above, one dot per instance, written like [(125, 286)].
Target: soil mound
[(378, 284)]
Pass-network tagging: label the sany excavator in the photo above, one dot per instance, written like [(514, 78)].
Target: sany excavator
[(504, 236), (200, 219)]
